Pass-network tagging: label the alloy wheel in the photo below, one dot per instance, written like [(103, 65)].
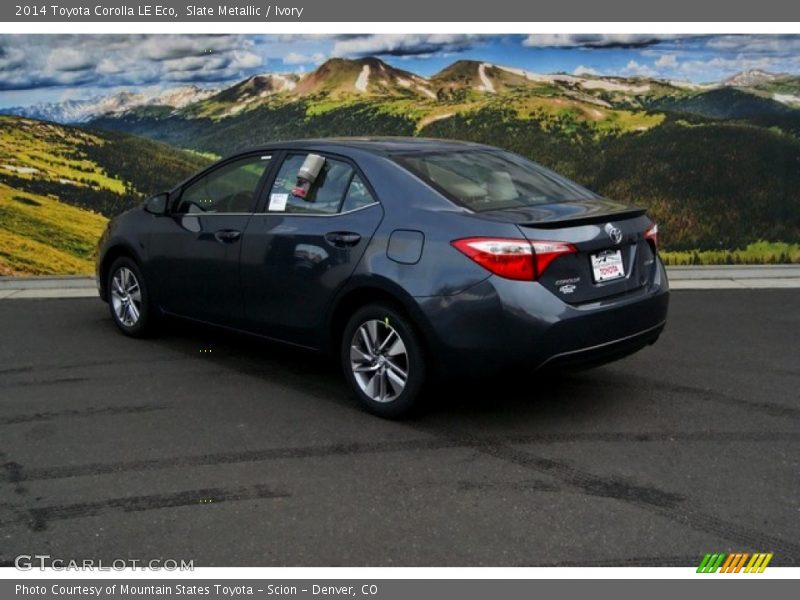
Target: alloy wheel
[(126, 297), (379, 360)]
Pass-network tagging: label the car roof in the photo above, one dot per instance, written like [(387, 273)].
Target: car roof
[(374, 145)]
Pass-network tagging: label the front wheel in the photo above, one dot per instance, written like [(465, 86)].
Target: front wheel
[(383, 360), (128, 298)]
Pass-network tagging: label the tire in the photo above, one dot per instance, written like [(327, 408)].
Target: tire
[(128, 298), (383, 360)]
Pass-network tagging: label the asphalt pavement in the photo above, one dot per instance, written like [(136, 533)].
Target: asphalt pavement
[(206, 446)]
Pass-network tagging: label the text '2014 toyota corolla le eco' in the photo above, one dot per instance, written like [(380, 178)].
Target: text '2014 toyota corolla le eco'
[(405, 257)]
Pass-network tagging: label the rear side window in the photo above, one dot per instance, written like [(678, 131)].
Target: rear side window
[(357, 196), (485, 180), (326, 196)]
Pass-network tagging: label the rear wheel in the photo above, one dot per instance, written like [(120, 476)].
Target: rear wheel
[(128, 298), (382, 358)]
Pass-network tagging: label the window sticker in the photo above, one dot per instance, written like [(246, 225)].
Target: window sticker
[(278, 201)]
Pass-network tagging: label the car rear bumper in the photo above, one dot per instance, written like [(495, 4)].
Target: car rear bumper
[(605, 352), (500, 324)]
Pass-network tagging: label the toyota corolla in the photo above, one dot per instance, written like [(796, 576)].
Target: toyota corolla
[(406, 258)]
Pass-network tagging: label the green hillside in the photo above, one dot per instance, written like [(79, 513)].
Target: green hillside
[(724, 103), (59, 185), (41, 236)]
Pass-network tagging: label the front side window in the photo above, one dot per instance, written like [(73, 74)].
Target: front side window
[(325, 196), (229, 189), (485, 180)]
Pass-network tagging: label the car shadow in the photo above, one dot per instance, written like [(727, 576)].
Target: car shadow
[(509, 397), (542, 396)]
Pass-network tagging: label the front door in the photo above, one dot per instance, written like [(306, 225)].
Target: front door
[(299, 252), (195, 251)]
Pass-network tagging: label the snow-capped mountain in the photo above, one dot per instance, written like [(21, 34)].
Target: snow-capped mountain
[(81, 111), (362, 77), (750, 78), (181, 96), (77, 111)]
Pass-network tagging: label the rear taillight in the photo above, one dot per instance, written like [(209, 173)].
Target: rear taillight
[(513, 258), (509, 258), (546, 252), (652, 235)]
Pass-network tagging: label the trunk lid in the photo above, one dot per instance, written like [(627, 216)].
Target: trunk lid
[(604, 232)]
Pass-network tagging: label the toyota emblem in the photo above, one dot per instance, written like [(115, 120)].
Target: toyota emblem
[(615, 233)]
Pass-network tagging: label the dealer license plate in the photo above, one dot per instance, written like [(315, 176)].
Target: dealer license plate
[(607, 265)]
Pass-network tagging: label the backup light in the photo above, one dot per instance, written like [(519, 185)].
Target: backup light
[(652, 234)]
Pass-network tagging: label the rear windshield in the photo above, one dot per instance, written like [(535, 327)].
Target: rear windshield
[(485, 180)]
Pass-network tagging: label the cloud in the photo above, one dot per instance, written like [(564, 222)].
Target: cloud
[(594, 40), (69, 59), (244, 59), (639, 70), (581, 70), (160, 48), (11, 59), (109, 66), (212, 67), (776, 45), (194, 63), (405, 44), (298, 58), (109, 61), (719, 67), (667, 61), (291, 38)]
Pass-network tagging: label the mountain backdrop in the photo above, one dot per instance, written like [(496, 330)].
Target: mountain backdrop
[(718, 165)]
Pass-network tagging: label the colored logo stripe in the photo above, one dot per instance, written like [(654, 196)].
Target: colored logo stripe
[(710, 563), (758, 563), (735, 562)]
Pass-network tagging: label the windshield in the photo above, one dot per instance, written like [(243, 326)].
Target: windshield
[(485, 180)]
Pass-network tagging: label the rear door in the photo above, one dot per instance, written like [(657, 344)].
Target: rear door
[(195, 251), (297, 253)]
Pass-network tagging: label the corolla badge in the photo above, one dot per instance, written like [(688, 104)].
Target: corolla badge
[(567, 288), (615, 233)]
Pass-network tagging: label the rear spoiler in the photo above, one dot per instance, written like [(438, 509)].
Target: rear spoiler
[(566, 214), (585, 219)]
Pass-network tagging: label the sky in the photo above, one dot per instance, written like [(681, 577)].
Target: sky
[(55, 68)]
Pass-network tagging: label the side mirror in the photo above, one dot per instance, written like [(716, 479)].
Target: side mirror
[(157, 205)]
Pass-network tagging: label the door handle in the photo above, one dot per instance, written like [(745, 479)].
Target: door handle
[(226, 236), (342, 238)]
